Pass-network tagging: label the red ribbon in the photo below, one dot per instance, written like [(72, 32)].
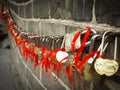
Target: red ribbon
[(23, 50), (74, 40), (49, 57), (77, 57), (10, 26), (86, 59), (32, 54), (44, 57), (27, 51)]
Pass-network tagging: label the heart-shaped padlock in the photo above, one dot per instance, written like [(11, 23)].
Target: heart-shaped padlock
[(62, 56), (105, 66)]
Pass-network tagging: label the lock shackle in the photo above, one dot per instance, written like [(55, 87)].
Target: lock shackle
[(56, 39), (93, 40), (103, 40), (49, 43), (93, 32), (112, 35), (46, 44)]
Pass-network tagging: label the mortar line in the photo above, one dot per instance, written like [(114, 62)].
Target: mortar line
[(20, 4)]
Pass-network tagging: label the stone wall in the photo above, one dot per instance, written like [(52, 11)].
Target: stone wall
[(58, 17), (106, 11)]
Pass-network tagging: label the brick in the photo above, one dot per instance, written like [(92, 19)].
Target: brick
[(28, 10), (53, 29), (71, 29), (21, 10), (33, 27), (41, 9)]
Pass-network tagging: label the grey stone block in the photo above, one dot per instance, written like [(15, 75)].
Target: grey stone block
[(26, 26), (71, 29), (14, 8), (51, 29), (107, 12), (83, 11), (41, 8), (33, 27), (57, 8), (21, 10), (28, 10)]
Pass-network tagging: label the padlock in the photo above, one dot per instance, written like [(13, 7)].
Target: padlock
[(56, 39), (33, 39), (67, 41), (59, 41), (47, 42), (43, 41), (93, 32), (78, 60), (35, 48), (89, 72), (40, 41), (50, 43), (94, 40), (105, 66), (62, 56)]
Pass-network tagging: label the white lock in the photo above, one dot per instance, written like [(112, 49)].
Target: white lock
[(62, 56), (105, 66)]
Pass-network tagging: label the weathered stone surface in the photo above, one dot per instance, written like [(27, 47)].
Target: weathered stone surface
[(21, 11), (41, 8), (50, 83), (54, 29)]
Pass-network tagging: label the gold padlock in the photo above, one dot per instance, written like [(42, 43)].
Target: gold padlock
[(90, 74)]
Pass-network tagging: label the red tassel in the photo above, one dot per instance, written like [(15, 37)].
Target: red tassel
[(69, 73), (52, 70), (59, 68)]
